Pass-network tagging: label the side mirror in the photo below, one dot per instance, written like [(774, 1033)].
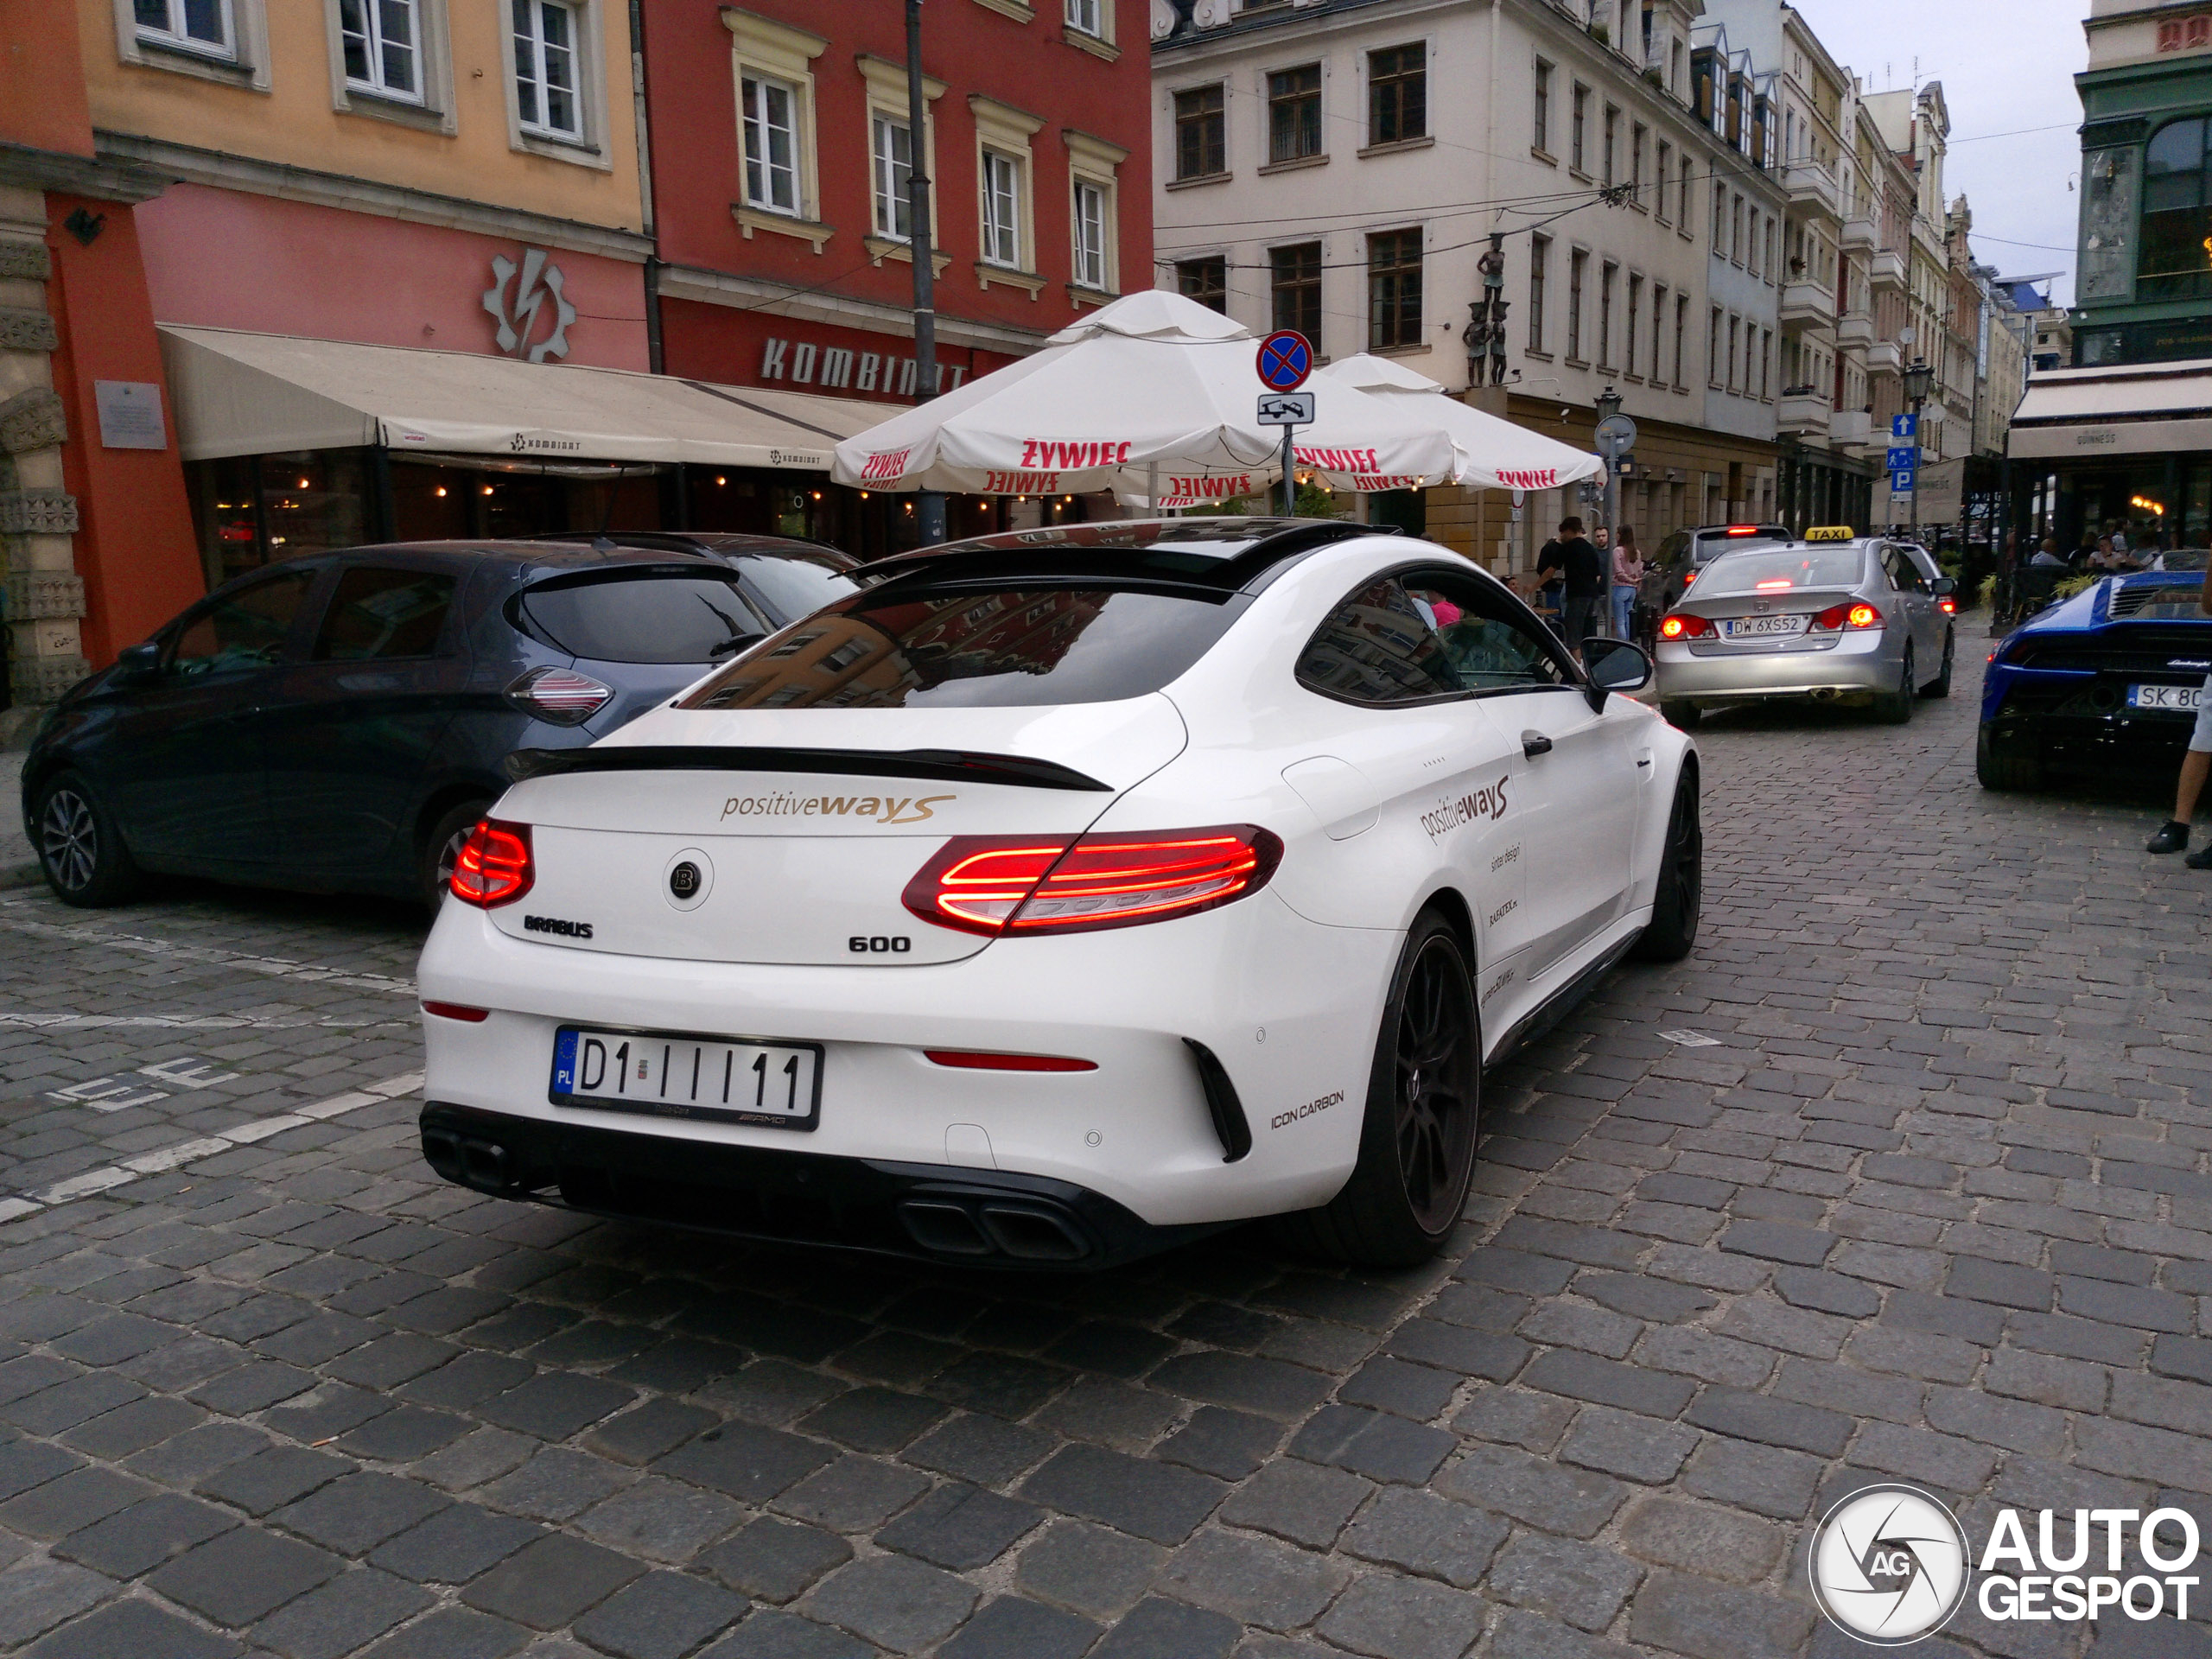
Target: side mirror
[(136, 665), (1944, 585), (1614, 665)]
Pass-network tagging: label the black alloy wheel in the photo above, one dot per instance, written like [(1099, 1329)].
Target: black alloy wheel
[(1421, 1120), (79, 849), (1941, 685), (1680, 895), (1896, 707)]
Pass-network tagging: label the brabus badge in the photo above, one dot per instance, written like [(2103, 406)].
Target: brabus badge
[(684, 880)]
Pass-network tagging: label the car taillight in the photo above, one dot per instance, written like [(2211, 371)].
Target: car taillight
[(560, 695), (1846, 615), (968, 1059), (1050, 884), (1949, 605), (1689, 577), (493, 867), (1683, 627)]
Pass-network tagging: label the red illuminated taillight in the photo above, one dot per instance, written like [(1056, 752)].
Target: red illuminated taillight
[(560, 695), (972, 1060), (1846, 615), (1680, 625), (1949, 605), (1038, 884), (493, 867)]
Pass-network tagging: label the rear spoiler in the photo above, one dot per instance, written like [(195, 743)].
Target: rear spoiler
[(938, 766)]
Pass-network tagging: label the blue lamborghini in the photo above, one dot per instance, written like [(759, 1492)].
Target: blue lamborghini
[(2107, 681)]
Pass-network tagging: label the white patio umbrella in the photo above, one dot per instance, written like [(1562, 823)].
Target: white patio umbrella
[(1496, 454), (1154, 393)]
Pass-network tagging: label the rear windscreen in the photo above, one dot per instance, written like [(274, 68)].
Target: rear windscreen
[(796, 586), (1779, 572), (1033, 645), (1713, 547), (653, 617)]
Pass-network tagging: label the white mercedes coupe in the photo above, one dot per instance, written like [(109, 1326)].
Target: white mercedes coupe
[(1060, 895)]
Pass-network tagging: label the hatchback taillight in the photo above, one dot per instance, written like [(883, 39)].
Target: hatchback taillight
[(560, 695), (493, 867), (1683, 625), (1846, 615), (1057, 884)]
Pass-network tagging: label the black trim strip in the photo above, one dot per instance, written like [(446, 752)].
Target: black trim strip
[(1222, 1103), (943, 766)]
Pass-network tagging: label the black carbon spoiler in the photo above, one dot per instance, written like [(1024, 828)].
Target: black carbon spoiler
[(938, 766)]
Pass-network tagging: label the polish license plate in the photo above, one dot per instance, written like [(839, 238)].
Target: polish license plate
[(2181, 699), (663, 1074), (1753, 628)]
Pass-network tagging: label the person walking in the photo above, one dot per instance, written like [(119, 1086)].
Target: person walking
[(1582, 574), (2196, 767), (1628, 581)]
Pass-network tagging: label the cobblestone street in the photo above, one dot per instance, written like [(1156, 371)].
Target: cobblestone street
[(1903, 1175)]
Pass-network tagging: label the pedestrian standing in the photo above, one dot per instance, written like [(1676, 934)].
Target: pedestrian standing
[(1628, 581), (1582, 574), (2195, 765)]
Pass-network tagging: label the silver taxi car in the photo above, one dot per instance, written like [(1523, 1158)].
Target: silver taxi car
[(1864, 619)]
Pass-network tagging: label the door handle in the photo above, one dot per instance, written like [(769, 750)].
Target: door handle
[(1534, 743)]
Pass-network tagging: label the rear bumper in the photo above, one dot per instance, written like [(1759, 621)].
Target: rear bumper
[(932, 1212), (1856, 665), (2089, 739)]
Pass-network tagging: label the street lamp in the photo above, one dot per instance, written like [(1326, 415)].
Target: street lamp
[(1918, 374), (1609, 404)]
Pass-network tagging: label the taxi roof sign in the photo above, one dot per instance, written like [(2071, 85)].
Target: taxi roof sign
[(1829, 533)]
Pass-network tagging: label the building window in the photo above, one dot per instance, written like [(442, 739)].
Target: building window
[(1205, 281), (382, 52), (1605, 276), (1638, 136), (1201, 133), (1085, 17), (1658, 330), (1736, 229), (1578, 137), (1612, 141), (769, 140), (891, 149), (1720, 219), (1001, 182), (547, 95), (1393, 290), (1540, 259), (1294, 113), (1659, 181), (1681, 337), (1397, 94), (1631, 322), (2175, 262), (1714, 368), (196, 25), (1735, 329), (1091, 221), (1751, 241), (1295, 278), (1577, 264), (1685, 226), (1543, 135)]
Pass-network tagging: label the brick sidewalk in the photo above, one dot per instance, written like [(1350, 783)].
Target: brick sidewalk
[(1932, 1204)]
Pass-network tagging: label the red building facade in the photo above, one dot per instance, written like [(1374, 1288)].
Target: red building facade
[(780, 143)]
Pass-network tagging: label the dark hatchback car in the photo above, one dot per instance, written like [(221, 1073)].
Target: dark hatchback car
[(2104, 683), (1669, 571), (337, 723)]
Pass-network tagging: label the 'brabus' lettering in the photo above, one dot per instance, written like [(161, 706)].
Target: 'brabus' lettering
[(556, 925)]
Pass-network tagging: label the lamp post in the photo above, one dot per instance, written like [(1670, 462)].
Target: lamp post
[(929, 504), (1916, 377), (1609, 404)]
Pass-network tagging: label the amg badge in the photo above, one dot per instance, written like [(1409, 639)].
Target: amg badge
[(554, 925)]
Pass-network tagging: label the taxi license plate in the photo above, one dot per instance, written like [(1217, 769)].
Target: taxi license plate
[(2180, 699), (664, 1074), (1752, 627)]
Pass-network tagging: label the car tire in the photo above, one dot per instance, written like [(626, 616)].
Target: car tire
[(1421, 1120), (1941, 685), (80, 849), (1896, 707), (2004, 773), (439, 845), (1682, 716), (1679, 898)]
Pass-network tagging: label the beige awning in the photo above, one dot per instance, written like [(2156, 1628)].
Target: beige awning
[(2137, 409), (247, 394)]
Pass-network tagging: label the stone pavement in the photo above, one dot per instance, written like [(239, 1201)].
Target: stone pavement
[(1927, 1200)]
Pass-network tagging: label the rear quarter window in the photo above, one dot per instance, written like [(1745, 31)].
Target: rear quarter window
[(1035, 645), (650, 617)]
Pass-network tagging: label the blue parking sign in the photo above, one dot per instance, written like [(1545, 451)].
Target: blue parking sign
[(1901, 426), (1900, 482)]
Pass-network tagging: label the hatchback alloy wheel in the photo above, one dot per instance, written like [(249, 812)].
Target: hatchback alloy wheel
[(69, 839), (1435, 1093)]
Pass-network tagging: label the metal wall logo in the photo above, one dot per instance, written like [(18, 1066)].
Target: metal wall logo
[(1889, 1565), (517, 301)]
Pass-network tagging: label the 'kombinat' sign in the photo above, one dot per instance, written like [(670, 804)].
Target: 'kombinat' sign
[(839, 368)]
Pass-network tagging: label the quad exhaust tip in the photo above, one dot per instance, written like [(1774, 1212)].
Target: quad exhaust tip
[(979, 1231)]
